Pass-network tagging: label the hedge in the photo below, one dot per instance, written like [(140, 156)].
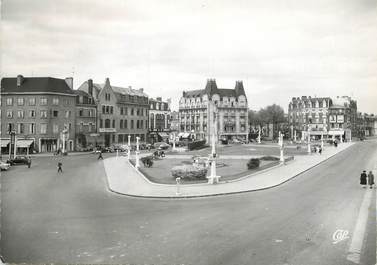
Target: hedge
[(147, 161), (269, 158), (196, 144), (253, 163), (189, 172)]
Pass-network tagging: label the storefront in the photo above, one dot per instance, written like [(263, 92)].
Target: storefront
[(4, 146), (25, 146)]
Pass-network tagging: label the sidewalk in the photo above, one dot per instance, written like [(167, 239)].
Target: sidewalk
[(52, 154), (124, 179)]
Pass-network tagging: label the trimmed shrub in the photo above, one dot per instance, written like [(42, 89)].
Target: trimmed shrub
[(196, 145), (253, 163), (189, 172), (147, 161), (269, 158)]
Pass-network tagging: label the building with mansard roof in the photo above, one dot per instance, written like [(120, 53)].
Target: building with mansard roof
[(213, 110)]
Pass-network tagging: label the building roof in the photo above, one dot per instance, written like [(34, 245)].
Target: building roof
[(194, 93), (211, 89), (35, 84), (81, 93), (128, 91)]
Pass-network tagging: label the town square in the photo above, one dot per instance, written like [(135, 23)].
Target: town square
[(196, 132)]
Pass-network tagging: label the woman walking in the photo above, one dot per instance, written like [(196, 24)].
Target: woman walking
[(370, 179), (363, 179)]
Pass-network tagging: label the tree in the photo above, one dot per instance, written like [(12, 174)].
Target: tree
[(273, 114), (254, 118)]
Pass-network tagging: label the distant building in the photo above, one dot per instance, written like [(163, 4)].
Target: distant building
[(38, 110), (366, 124), (308, 114), (174, 123), (122, 112), (343, 118), (213, 109), (159, 119), (333, 118), (86, 121)]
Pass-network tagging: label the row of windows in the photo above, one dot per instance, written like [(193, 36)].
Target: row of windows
[(32, 114), (86, 113), (159, 106), (86, 128), (31, 128), (32, 101), (123, 124), (124, 111)]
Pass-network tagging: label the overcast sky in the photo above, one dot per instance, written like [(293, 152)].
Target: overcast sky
[(280, 49)]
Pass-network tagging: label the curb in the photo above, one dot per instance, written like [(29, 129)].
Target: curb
[(223, 193)]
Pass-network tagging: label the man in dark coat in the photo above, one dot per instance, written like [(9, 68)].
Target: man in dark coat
[(363, 179), (60, 164), (29, 162)]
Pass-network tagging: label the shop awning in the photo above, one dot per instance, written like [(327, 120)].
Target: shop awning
[(24, 143), (180, 134), (186, 135), (340, 132), (4, 142), (163, 134)]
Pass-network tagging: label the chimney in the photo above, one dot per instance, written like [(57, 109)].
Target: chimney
[(69, 82), (159, 99), (107, 82), (20, 79), (141, 90), (90, 87)]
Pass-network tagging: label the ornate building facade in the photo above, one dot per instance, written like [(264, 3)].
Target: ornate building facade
[(213, 110), (159, 119), (333, 118), (308, 114)]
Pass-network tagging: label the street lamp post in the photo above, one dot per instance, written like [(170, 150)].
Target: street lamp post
[(295, 135), (129, 147), (137, 163), (259, 134), (309, 149), (173, 141), (281, 144), (213, 178)]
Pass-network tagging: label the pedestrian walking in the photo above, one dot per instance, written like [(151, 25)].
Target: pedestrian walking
[(320, 150), (100, 155), (60, 167), (363, 179), (370, 179), (29, 162)]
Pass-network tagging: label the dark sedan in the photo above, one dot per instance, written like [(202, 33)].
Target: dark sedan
[(19, 160)]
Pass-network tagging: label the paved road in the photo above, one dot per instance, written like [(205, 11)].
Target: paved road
[(72, 218)]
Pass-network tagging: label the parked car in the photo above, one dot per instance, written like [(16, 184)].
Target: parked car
[(162, 145), (18, 160), (237, 141), (4, 166)]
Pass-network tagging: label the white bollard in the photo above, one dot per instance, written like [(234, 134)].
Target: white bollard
[(178, 180)]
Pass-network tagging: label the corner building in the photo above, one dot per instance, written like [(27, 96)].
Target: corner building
[(214, 110), (37, 109)]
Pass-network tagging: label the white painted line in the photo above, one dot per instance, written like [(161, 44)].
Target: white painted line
[(359, 231)]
